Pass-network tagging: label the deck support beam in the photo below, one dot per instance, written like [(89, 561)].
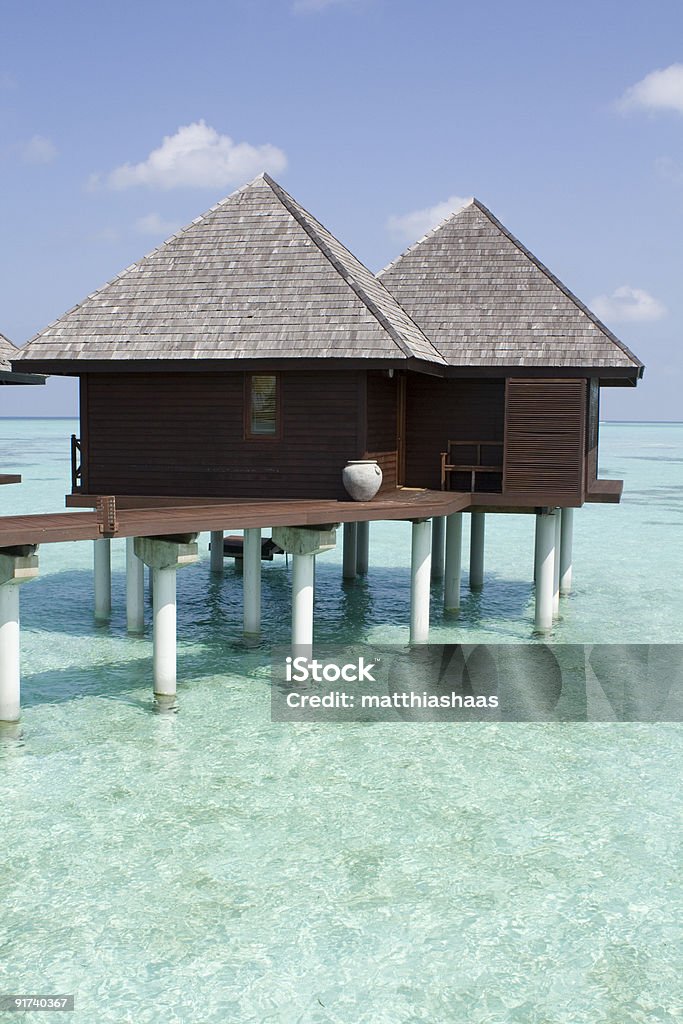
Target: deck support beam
[(135, 589), (216, 559), (17, 566), (362, 547), (556, 563), (165, 556), (545, 570), (453, 569), (350, 551), (252, 582), (438, 541), (303, 543), (102, 577), (420, 575), (477, 532), (566, 543)]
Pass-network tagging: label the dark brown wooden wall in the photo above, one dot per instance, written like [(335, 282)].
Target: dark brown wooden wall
[(439, 411), (183, 434), (381, 425), (545, 440)]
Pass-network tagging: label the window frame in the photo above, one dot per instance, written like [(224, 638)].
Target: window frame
[(248, 434)]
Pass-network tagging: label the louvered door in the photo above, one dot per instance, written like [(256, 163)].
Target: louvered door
[(545, 440)]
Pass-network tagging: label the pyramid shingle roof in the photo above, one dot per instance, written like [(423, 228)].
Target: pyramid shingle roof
[(483, 299), (256, 277)]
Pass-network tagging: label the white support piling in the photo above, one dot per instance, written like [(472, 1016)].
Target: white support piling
[(556, 563), (545, 570), (252, 582), (420, 574), (303, 543), (135, 589), (350, 551), (216, 559), (164, 557), (477, 532), (453, 568), (10, 675), (164, 644), (303, 575), (15, 568), (362, 548), (438, 542), (102, 577), (566, 543)]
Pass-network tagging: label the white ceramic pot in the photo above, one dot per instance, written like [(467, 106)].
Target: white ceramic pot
[(362, 479)]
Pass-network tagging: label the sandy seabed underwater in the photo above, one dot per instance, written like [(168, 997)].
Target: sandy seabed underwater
[(213, 866)]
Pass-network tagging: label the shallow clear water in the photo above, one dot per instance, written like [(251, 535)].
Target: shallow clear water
[(214, 866)]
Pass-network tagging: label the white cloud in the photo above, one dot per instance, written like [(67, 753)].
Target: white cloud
[(196, 156), (153, 224), (36, 150), (410, 226), (626, 303), (660, 90)]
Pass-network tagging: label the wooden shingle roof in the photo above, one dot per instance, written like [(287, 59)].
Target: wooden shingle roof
[(484, 300), (7, 352), (256, 277)]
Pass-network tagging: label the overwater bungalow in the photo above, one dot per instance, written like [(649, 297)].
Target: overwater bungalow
[(230, 377), (8, 376)]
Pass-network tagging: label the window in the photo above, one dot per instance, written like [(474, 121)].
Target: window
[(262, 406)]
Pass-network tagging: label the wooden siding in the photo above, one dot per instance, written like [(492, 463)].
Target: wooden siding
[(439, 411), (184, 434), (381, 426), (545, 440)]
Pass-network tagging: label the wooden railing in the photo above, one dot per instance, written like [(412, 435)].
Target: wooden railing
[(76, 465), (474, 467)]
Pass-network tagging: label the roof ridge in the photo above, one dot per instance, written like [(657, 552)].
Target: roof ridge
[(557, 282), (131, 266), (293, 208), (432, 231)]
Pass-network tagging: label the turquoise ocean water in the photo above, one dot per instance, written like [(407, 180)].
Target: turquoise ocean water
[(213, 866)]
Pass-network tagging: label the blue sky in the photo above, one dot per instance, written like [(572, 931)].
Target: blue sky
[(121, 122)]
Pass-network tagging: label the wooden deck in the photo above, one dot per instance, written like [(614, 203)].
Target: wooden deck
[(151, 517)]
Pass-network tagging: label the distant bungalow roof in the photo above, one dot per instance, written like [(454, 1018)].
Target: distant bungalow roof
[(484, 300), (256, 277), (8, 353)]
